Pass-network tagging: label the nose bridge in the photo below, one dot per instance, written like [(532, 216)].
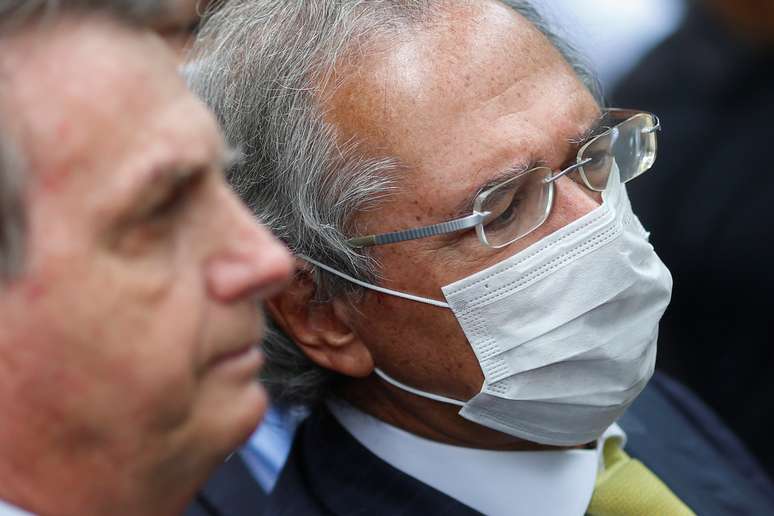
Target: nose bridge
[(572, 200), (248, 258), (576, 182), (249, 238), (592, 194)]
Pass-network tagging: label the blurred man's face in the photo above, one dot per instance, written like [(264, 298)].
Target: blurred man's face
[(133, 328)]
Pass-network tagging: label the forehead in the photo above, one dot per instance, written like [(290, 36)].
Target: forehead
[(477, 87), (90, 95)]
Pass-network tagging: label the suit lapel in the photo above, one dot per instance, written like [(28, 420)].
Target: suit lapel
[(343, 478), (231, 491)]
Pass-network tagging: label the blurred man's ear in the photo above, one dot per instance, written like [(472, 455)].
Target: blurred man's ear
[(320, 328)]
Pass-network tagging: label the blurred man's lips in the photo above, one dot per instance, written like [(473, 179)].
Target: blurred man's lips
[(247, 356)]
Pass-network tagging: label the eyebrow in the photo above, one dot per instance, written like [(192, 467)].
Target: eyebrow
[(466, 206), (164, 178)]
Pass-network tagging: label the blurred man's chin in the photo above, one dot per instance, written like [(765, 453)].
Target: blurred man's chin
[(234, 414)]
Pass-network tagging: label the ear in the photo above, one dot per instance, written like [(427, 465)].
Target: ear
[(320, 328)]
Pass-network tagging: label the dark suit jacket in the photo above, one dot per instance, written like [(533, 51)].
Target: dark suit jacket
[(668, 428), (231, 491)]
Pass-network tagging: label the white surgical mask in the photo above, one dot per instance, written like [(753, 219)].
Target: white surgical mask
[(564, 331)]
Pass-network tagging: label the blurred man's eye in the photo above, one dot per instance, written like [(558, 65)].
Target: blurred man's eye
[(169, 206), (176, 199)]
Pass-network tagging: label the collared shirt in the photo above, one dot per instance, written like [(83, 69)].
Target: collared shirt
[(266, 451), (494, 483), (7, 509)]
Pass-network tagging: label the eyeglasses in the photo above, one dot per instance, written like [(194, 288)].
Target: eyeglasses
[(513, 209)]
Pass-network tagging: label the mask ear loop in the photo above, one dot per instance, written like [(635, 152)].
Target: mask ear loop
[(374, 287), (417, 392)]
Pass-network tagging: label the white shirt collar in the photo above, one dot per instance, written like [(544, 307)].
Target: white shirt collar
[(495, 483), (7, 509)]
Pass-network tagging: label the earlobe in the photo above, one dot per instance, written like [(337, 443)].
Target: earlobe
[(320, 328)]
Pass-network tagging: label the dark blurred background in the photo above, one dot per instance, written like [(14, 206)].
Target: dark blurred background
[(706, 68)]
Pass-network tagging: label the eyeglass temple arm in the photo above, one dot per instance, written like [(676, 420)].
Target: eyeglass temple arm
[(426, 231)]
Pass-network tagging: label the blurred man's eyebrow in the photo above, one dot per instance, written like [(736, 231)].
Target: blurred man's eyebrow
[(174, 174), (163, 178)]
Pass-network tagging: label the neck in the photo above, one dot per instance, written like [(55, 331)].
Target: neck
[(72, 490), (46, 474), (426, 418)]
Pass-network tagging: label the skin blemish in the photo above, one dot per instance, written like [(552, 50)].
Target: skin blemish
[(34, 291), (55, 180), (63, 130)]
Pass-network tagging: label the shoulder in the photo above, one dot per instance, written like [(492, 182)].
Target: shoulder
[(683, 442), (230, 491)]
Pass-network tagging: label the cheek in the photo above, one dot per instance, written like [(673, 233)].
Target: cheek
[(120, 346), (424, 344), (421, 344)]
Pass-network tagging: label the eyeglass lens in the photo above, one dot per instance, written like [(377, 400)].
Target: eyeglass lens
[(520, 205), (516, 207), (632, 144)]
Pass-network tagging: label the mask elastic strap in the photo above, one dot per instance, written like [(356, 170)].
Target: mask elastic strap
[(374, 287), (417, 392)]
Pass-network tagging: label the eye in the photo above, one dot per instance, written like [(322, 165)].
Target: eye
[(170, 205), (503, 209), (175, 200)]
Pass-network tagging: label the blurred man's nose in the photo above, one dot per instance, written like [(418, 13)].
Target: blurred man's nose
[(253, 264)]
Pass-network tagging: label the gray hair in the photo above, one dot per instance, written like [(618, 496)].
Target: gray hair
[(264, 67), (16, 16)]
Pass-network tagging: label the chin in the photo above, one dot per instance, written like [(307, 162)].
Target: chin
[(239, 417), (256, 403)]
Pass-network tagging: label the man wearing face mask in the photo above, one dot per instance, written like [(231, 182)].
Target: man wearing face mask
[(478, 306)]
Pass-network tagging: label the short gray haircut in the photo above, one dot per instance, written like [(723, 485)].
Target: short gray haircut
[(15, 17), (265, 67)]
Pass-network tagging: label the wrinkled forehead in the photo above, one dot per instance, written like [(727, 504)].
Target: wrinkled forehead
[(474, 62), (87, 91)]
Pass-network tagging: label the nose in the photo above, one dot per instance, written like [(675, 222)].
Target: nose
[(254, 264), (571, 201)]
